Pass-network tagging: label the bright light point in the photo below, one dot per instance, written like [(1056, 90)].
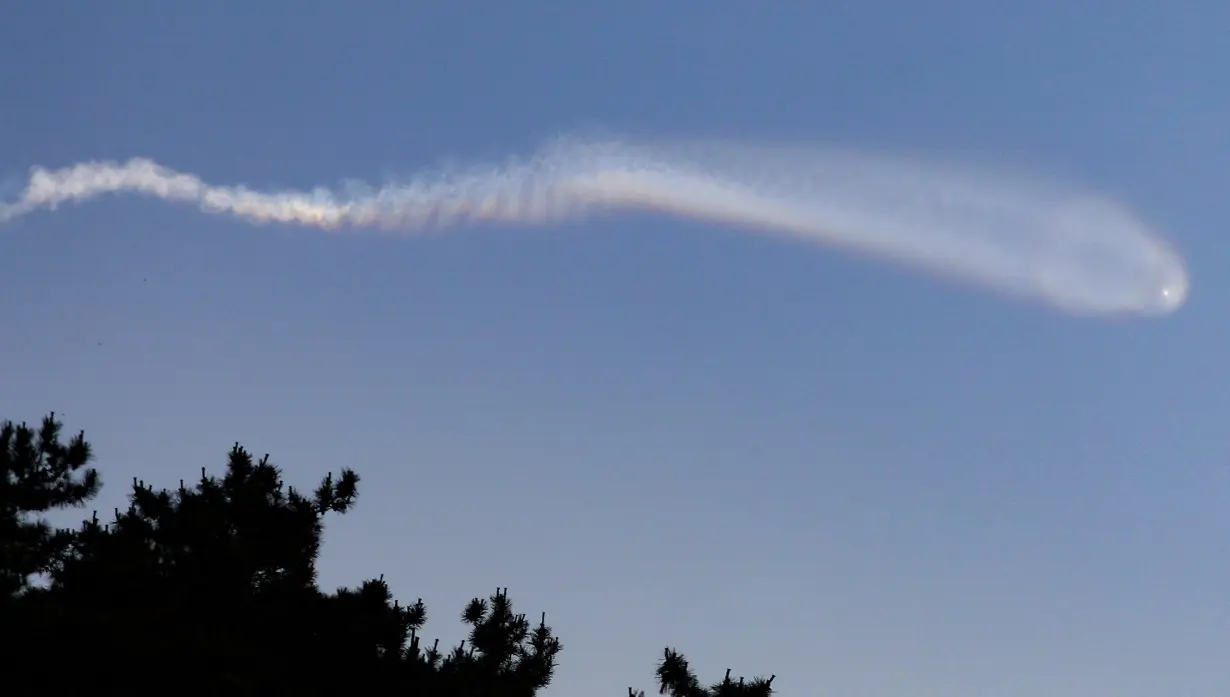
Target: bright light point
[(1174, 295)]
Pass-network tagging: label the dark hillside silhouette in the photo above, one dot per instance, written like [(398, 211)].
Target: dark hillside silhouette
[(210, 589)]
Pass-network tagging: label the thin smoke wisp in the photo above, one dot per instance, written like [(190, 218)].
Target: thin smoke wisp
[(1076, 251)]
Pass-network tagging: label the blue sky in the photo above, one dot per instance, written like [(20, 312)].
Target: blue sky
[(776, 458)]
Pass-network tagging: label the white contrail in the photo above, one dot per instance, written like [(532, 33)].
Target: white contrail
[(1081, 253)]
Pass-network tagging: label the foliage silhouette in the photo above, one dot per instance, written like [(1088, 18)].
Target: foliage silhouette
[(214, 585), (676, 678), (38, 474)]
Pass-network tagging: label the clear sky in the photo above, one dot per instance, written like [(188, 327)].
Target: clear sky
[(778, 459)]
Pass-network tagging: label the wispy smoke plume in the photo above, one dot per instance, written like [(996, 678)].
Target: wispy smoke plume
[(1083, 254)]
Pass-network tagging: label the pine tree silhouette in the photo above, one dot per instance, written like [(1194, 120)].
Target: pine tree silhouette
[(38, 473), (217, 581), (211, 589), (676, 678)]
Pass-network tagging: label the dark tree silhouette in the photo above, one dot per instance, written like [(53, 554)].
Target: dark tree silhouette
[(676, 678), (216, 583), (38, 473), (211, 589)]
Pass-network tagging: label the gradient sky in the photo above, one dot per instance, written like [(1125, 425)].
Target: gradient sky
[(778, 459)]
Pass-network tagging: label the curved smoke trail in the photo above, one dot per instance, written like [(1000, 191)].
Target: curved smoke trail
[(1082, 254)]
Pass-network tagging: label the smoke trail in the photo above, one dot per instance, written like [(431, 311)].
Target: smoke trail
[(1080, 253)]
